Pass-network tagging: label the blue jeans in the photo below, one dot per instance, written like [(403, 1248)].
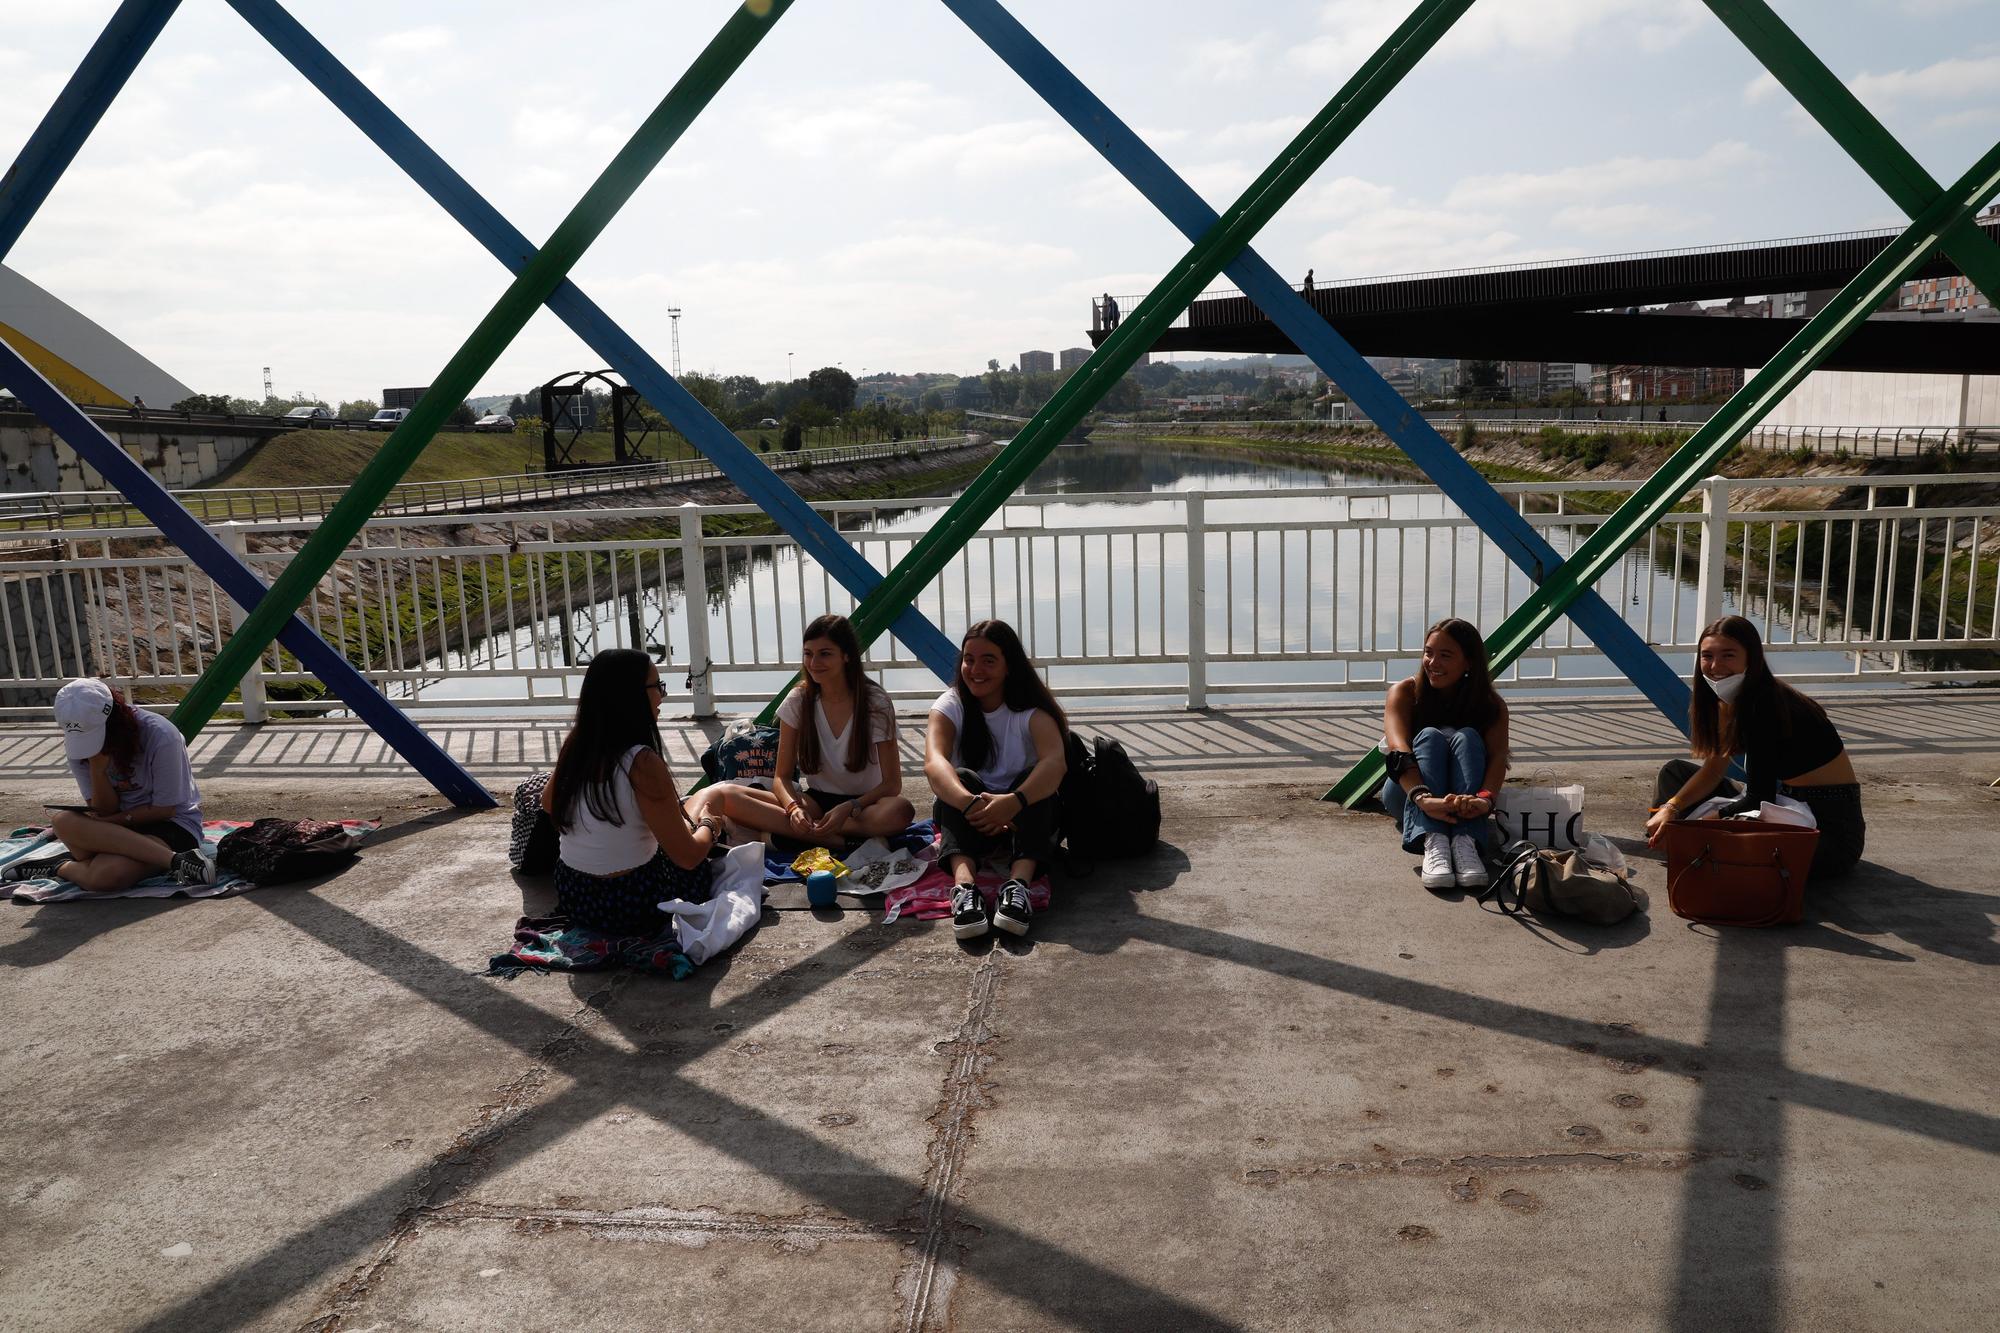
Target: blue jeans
[(1450, 760)]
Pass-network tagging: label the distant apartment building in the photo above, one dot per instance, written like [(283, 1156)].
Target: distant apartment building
[(1207, 402), (1070, 358), (1033, 363), (1663, 384), (1952, 292)]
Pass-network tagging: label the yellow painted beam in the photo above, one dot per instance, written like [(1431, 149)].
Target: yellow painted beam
[(77, 386)]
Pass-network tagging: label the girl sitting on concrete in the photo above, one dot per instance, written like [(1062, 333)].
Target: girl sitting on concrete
[(1789, 747), (837, 732), (1444, 731), (627, 842), (143, 811), (993, 752)]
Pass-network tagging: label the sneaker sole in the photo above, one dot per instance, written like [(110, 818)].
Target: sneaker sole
[(1478, 880), (1010, 925), (971, 930), (1440, 882)]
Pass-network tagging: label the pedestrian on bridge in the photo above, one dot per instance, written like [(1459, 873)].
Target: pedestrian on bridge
[(1444, 734), (1110, 312)]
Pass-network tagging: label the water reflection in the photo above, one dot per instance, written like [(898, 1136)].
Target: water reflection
[(1313, 591)]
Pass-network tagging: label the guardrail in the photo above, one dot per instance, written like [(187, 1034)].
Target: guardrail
[(1856, 441), (220, 504), (1288, 593)]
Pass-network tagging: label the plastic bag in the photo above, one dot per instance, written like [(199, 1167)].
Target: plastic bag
[(1601, 852), (818, 858)]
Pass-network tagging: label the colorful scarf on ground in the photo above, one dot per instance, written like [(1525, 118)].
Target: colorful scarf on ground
[(551, 944)]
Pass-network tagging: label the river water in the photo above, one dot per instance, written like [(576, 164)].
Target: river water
[(1365, 590)]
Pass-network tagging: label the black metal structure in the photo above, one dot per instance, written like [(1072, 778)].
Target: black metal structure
[(568, 412), (1586, 310)]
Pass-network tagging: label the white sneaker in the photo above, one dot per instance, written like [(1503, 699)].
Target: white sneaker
[(1438, 873), (1465, 862)]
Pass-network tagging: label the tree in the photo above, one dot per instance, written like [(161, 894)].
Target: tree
[(706, 390), (203, 402), (462, 415), (832, 388), (739, 391), (358, 409), (932, 401), (795, 437), (993, 364), (518, 408)]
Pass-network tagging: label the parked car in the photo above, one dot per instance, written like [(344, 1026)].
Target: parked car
[(768, 423), (388, 418), (308, 415), (494, 421)]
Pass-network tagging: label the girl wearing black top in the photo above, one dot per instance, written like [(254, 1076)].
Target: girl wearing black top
[(1789, 746)]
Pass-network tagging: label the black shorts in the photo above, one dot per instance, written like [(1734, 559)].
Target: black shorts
[(177, 838)]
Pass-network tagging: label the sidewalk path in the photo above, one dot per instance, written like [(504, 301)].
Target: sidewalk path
[(1260, 1080)]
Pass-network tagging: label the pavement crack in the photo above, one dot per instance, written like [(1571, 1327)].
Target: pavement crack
[(1493, 1163), (441, 1176), (663, 1224), (927, 1281)]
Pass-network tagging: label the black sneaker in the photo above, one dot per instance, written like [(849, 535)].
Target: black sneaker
[(41, 867), (196, 865), (1013, 914), (968, 912)]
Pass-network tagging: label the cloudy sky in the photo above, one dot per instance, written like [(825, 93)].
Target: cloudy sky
[(876, 189)]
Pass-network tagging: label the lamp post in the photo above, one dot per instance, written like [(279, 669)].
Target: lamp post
[(788, 367)]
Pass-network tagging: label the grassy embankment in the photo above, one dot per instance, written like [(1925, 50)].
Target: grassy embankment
[(438, 597)]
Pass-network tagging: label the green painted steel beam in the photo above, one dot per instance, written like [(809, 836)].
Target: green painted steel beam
[(1864, 138), (1650, 503), (535, 284), (1135, 334)]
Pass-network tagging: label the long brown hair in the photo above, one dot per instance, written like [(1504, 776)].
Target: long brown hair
[(1763, 694), (866, 696), (1472, 702), (121, 734), (1023, 689)]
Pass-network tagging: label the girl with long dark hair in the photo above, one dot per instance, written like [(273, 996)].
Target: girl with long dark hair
[(993, 752), (1788, 743), (837, 731), (627, 841), (142, 811), (1444, 732)]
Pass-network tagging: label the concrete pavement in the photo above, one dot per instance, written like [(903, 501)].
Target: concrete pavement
[(1260, 1080)]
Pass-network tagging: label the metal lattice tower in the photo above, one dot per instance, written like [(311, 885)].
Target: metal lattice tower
[(674, 314)]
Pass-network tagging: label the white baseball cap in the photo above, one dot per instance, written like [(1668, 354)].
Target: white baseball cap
[(82, 706)]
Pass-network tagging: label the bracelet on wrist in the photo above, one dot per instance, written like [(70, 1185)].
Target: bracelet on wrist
[(1420, 792)]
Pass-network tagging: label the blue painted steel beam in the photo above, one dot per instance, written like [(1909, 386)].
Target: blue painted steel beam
[(81, 104), (236, 579), (1458, 479), (589, 322)]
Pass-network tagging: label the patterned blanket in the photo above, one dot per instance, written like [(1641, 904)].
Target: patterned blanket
[(30, 843), (551, 944)]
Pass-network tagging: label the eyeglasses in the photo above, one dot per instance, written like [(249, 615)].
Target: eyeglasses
[(659, 685)]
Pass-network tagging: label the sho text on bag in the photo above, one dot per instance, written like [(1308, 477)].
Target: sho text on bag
[(1546, 816)]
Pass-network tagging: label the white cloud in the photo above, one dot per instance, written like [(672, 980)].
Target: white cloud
[(990, 150), (944, 248), (1347, 196), (415, 41), (1227, 59), (1946, 81), (821, 125), (1250, 133), (1602, 181), (1762, 88), (1352, 29), (1610, 220), (1958, 120)]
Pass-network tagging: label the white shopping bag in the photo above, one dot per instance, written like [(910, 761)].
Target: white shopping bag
[(1546, 816)]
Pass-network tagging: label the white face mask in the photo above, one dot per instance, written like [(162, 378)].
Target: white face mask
[(1728, 687)]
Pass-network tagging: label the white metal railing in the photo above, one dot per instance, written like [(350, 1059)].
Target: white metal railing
[(1289, 592), (217, 504), (1858, 441)]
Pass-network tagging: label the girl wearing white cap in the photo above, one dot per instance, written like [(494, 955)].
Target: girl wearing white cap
[(142, 812)]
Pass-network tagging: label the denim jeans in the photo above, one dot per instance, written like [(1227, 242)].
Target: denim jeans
[(1451, 760)]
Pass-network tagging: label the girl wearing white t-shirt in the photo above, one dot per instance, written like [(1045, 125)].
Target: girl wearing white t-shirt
[(836, 732), (994, 757)]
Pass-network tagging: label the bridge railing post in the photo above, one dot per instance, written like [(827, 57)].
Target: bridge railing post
[(694, 597), (1197, 601), (1714, 555), (256, 705)]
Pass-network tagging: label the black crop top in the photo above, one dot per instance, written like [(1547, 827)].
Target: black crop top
[(1771, 755)]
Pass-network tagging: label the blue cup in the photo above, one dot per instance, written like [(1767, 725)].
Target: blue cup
[(822, 888)]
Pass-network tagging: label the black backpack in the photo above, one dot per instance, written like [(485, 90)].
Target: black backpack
[(532, 841), (1108, 809), (278, 851)]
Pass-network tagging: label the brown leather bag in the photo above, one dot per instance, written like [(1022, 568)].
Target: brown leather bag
[(1737, 872)]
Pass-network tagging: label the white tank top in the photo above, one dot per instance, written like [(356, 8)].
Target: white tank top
[(599, 848)]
